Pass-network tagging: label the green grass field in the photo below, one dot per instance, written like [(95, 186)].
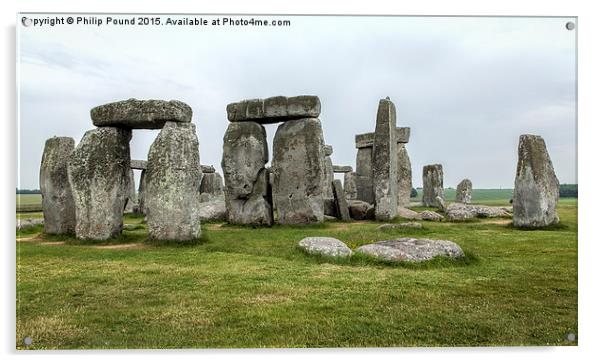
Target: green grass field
[(252, 287)]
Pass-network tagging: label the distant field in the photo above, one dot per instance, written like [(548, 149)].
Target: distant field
[(29, 202)]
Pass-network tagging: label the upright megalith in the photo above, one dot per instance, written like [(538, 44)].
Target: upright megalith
[(173, 178), (298, 167), (363, 169), (432, 185), (536, 188), (246, 179), (57, 199), (142, 192), (384, 162), (404, 176), (341, 206), (140, 114), (350, 185), (464, 191), (131, 192), (328, 172), (98, 171), (212, 186)]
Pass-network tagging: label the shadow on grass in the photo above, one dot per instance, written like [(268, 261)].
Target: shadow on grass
[(551, 227)]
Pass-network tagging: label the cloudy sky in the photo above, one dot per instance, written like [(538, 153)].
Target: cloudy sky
[(467, 87)]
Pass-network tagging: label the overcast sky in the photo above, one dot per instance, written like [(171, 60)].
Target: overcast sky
[(467, 87)]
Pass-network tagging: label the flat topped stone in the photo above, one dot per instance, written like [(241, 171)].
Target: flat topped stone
[(140, 114), (325, 246), (342, 168), (367, 139), (138, 164), (411, 249), (274, 109)]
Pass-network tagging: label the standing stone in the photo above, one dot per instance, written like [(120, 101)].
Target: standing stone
[(142, 192), (350, 185), (57, 198), (131, 193), (404, 176), (384, 162), (98, 174), (246, 177), (328, 177), (464, 191), (173, 178), (212, 184), (536, 189), (340, 202), (432, 184), (298, 166), (363, 169)]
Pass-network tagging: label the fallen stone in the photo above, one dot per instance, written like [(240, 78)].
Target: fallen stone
[(325, 246), (173, 180), (274, 109), (358, 209), (342, 168), (411, 249), (340, 202), (462, 212), (138, 164), (384, 162), (464, 191), (536, 188), (440, 203), (57, 198), (432, 184), (404, 176), (408, 225), (140, 114), (246, 179), (329, 218), (428, 215), (98, 172), (408, 213), (298, 167)]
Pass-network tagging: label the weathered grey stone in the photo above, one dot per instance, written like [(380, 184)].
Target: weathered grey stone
[(428, 215), (325, 246), (212, 185), (432, 184), (358, 209), (207, 169), (98, 172), (408, 213), (246, 179), (213, 210), (274, 109), (440, 204), (340, 202), (342, 169), (298, 167), (363, 170), (407, 225), (173, 180), (464, 191), (330, 208), (404, 176), (57, 199), (384, 162), (463, 212), (411, 249), (350, 185), (536, 189), (138, 164), (460, 214), (367, 139), (328, 177), (29, 222), (141, 192), (131, 193), (327, 150), (140, 114)]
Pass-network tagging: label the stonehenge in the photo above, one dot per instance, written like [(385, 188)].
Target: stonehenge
[(342, 209), (173, 178), (274, 109), (328, 172), (135, 114), (536, 188), (464, 191), (432, 185), (57, 199)]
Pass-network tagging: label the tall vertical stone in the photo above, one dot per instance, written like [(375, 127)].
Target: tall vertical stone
[(384, 162), (298, 166), (246, 178), (212, 186), (57, 199), (350, 185), (536, 188), (131, 193), (404, 176), (464, 191), (341, 206), (328, 177), (363, 169), (173, 178), (142, 192), (432, 185), (98, 171)]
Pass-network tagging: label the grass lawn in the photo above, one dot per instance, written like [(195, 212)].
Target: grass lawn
[(245, 287)]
